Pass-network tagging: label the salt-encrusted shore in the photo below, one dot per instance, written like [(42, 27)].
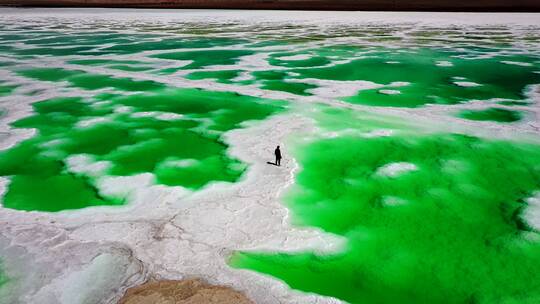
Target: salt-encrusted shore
[(165, 233)]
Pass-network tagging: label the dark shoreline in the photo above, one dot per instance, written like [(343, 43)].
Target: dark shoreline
[(337, 5)]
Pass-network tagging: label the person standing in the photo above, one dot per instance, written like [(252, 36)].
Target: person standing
[(277, 153)]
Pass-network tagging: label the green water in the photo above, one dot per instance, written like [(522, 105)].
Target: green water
[(473, 58), (224, 76), (6, 89), (427, 82), (280, 59), (129, 68), (280, 81), (268, 80), (95, 82), (123, 65), (206, 58), (297, 88), (58, 43), (87, 81), (49, 74), (99, 62), (49, 51), (3, 276), (448, 232), (173, 43), (187, 151), (58, 39), (515, 103), (491, 114)]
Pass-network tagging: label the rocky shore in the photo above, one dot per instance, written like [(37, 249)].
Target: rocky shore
[(191, 291)]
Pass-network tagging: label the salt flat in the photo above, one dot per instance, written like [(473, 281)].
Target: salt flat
[(135, 147)]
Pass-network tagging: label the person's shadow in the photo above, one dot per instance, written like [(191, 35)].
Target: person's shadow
[(271, 163)]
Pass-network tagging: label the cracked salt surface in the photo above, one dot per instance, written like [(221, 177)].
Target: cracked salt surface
[(172, 233), (396, 169)]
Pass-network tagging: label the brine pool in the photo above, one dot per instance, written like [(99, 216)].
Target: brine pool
[(134, 147)]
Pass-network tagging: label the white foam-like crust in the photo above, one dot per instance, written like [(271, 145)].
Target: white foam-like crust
[(158, 115), (91, 122), (182, 163), (444, 64), (532, 212), (467, 84), (295, 57), (378, 133), (243, 76), (123, 109), (517, 63), (335, 89), (174, 233), (390, 92), (393, 201), (396, 169), (85, 164)]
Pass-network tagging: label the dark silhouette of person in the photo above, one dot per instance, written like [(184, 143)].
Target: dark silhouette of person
[(277, 153)]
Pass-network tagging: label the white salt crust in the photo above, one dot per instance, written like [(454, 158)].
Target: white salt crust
[(396, 169)]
